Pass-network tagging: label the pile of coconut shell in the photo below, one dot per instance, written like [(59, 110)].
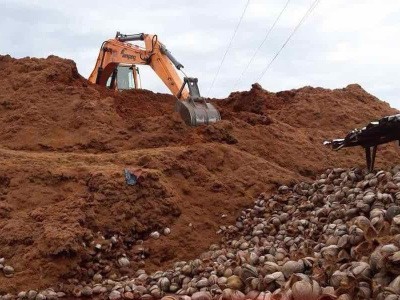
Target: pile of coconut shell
[(335, 238)]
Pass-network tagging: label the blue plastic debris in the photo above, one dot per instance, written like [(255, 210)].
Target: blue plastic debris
[(130, 178)]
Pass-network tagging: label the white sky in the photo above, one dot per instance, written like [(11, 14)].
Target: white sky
[(341, 42)]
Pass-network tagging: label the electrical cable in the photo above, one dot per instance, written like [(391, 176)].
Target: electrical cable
[(238, 81), (229, 46), (312, 7)]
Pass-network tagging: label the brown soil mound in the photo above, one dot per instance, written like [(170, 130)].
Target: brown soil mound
[(65, 143)]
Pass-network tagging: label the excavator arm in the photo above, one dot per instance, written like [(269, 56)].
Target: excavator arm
[(116, 51), (194, 109)]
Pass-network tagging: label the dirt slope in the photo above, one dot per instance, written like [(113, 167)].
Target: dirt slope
[(64, 144)]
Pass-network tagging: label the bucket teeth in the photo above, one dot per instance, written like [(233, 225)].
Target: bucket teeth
[(197, 112)]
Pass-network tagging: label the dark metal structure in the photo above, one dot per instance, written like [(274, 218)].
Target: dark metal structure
[(375, 133)]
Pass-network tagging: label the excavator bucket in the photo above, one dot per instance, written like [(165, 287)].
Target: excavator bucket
[(196, 110)]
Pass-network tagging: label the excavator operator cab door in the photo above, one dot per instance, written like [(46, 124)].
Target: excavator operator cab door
[(124, 77)]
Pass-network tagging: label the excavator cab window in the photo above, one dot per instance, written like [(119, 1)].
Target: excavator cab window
[(124, 78)]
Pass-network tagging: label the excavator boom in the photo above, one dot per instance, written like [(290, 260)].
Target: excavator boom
[(116, 52)]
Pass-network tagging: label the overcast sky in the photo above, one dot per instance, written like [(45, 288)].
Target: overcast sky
[(341, 42)]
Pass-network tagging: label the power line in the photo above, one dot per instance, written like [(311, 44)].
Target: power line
[(312, 7), (229, 46), (260, 46)]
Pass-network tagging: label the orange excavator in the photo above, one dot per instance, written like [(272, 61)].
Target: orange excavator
[(116, 68)]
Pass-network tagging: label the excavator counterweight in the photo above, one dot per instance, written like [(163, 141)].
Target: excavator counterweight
[(118, 52)]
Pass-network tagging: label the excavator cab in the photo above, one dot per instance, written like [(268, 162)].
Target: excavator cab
[(124, 77)]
